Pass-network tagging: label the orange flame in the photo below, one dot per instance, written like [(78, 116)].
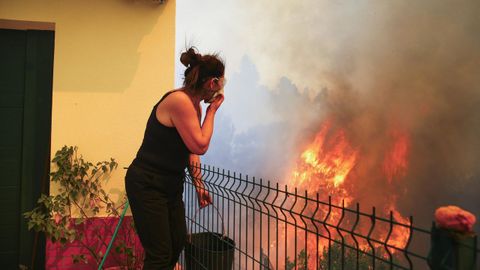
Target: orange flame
[(327, 164), (330, 162), (400, 234), (395, 166), (395, 163)]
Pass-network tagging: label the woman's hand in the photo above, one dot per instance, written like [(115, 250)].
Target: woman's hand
[(216, 103), (204, 198)]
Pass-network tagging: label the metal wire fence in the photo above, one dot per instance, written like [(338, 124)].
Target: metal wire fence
[(257, 224)]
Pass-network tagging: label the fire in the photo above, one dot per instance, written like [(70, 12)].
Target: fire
[(326, 166), (310, 157), (331, 161), (400, 234), (396, 163)]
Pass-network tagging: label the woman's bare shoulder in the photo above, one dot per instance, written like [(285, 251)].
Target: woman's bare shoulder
[(178, 99), (174, 96)]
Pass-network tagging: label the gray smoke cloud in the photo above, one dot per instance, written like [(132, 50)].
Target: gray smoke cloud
[(370, 66)]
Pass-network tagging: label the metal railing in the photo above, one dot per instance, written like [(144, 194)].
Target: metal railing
[(273, 227)]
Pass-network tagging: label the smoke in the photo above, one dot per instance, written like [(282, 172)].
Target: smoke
[(257, 128), (373, 67), (408, 66)]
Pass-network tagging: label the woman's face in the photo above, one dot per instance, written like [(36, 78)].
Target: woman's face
[(213, 88)]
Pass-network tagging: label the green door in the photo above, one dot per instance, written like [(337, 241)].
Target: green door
[(26, 70)]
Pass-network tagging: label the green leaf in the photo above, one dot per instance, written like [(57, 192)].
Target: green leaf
[(79, 221)]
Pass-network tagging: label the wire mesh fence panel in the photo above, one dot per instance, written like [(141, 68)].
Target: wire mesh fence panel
[(259, 225)]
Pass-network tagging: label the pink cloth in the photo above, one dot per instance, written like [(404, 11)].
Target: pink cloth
[(454, 218), (59, 257)]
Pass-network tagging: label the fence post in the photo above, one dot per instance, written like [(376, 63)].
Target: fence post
[(452, 250)]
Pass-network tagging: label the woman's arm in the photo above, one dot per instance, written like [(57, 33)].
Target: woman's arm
[(204, 197), (185, 118)]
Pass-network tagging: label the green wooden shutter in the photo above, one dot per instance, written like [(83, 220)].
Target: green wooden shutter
[(26, 65)]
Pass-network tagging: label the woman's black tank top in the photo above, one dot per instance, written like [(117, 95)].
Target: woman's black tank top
[(163, 150)]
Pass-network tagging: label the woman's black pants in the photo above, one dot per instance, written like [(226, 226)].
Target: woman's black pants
[(159, 215)]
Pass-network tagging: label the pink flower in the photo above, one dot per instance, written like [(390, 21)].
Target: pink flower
[(454, 218), (57, 217)]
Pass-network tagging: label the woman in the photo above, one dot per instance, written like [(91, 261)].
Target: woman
[(173, 138)]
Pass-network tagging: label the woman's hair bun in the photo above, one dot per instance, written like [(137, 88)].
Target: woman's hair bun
[(200, 68), (190, 58)]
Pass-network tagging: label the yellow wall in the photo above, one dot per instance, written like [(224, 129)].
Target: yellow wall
[(113, 60)]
